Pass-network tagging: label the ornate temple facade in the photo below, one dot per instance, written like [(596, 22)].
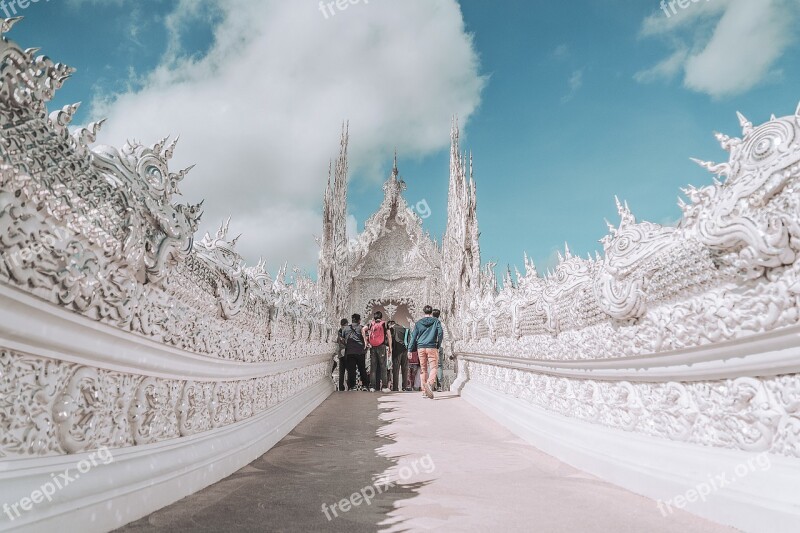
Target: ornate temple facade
[(394, 265)]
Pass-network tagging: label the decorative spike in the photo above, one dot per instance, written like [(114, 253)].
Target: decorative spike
[(178, 176), (772, 117), (7, 24), (716, 169), (747, 126), (797, 112), (171, 148), (708, 165), (560, 257), (88, 135), (61, 118), (567, 253), (727, 143), (31, 52), (611, 227), (681, 202), (157, 147)]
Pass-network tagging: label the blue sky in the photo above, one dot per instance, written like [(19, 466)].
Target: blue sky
[(564, 104)]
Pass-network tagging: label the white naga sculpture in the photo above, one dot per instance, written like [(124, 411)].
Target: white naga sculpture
[(727, 270), (96, 231)]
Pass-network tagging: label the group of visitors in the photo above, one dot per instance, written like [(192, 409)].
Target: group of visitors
[(397, 355)]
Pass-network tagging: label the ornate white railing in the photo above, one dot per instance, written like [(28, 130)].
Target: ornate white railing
[(120, 333), (673, 357)]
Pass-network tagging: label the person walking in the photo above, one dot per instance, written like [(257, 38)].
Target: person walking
[(341, 347), (400, 336), (426, 336), (379, 342), (355, 352)]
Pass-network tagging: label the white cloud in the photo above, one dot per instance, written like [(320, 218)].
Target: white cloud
[(575, 83), (723, 47), (260, 112), (666, 69), (561, 52)]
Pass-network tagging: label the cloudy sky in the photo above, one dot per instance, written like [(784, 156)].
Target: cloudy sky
[(564, 104)]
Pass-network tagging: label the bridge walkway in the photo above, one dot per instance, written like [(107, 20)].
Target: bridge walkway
[(405, 463)]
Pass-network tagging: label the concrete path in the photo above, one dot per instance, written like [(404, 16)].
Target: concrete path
[(423, 465)]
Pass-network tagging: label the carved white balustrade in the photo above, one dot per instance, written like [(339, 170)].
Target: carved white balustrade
[(673, 357), (118, 330)]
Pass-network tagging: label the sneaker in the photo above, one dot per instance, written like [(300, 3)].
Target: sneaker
[(386, 390), (428, 392), (371, 389)]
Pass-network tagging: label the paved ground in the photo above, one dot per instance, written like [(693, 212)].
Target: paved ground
[(448, 468)]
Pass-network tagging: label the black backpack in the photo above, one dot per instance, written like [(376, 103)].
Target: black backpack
[(354, 341)]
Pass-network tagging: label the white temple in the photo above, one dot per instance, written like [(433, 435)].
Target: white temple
[(393, 265), (674, 354)]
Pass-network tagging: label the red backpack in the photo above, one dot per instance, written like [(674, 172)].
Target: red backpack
[(377, 333)]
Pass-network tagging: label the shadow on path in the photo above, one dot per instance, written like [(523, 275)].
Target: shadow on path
[(329, 456)]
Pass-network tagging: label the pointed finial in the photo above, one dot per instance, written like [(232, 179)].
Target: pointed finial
[(395, 172), (171, 148), (747, 126), (7, 24)]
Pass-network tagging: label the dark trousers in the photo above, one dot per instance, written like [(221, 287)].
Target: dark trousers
[(377, 366), (342, 370), (399, 362), (355, 360)]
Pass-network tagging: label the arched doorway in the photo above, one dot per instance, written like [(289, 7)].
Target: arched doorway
[(401, 310)]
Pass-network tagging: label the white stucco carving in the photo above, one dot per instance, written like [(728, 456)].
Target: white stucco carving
[(187, 341), (97, 231)]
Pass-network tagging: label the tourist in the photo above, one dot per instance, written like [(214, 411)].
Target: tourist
[(340, 353), (354, 352), (440, 370), (426, 336), (400, 338), (379, 342)]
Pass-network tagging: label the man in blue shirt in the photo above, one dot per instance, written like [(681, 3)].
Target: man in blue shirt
[(426, 338)]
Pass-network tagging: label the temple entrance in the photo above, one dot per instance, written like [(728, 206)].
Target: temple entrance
[(400, 310)]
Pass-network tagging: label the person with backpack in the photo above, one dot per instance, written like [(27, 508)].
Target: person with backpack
[(426, 337), (400, 337), (379, 343), (355, 349), (341, 346)]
